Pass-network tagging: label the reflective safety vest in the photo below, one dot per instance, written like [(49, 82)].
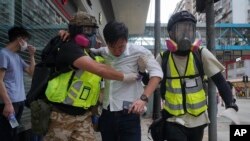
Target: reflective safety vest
[(77, 88), (184, 94)]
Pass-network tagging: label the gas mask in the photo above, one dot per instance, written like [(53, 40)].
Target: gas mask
[(23, 45), (183, 34), (92, 41), (173, 47), (86, 41)]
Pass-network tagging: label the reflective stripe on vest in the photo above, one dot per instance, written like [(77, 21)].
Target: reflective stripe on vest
[(194, 101), (83, 92)]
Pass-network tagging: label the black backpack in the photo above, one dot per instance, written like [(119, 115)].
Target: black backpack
[(165, 55), (44, 71)]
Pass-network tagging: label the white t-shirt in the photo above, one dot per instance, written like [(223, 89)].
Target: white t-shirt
[(211, 67)]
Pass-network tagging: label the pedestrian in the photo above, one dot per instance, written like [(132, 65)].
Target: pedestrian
[(185, 101), (12, 68), (74, 92), (124, 102)]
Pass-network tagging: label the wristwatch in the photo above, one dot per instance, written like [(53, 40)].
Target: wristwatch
[(144, 98)]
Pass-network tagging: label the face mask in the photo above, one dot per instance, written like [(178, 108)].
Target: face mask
[(89, 31), (23, 45), (183, 34), (82, 41), (186, 46), (86, 41), (92, 41)]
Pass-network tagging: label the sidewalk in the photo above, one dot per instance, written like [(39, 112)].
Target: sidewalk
[(223, 124), (222, 129)]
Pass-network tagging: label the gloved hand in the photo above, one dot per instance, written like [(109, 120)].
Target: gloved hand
[(131, 77), (234, 106), (142, 63)]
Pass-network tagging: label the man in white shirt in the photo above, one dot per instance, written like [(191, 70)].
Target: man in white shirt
[(123, 102)]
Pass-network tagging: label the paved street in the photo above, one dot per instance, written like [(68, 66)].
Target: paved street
[(222, 123)]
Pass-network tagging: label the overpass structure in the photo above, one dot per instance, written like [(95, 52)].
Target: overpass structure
[(232, 40)]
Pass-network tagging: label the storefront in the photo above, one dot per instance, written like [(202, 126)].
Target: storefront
[(242, 89)]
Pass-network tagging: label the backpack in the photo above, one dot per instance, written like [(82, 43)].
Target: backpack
[(44, 71), (165, 55), (156, 129)]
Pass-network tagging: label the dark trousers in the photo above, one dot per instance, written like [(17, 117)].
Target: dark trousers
[(120, 126), (176, 132), (6, 132)]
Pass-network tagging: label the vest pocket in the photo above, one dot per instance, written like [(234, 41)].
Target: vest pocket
[(85, 93)]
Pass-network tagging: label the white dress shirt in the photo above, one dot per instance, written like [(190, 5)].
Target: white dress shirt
[(115, 92)]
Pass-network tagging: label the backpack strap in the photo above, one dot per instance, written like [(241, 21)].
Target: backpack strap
[(164, 58), (198, 61)]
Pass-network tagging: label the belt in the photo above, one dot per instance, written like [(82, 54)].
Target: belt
[(71, 110), (122, 112)]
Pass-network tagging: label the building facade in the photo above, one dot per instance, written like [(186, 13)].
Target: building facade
[(43, 19), (238, 73)]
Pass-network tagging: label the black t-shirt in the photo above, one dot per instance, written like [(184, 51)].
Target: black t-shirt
[(67, 54)]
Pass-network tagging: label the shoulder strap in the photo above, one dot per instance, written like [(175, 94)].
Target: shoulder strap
[(198, 61), (164, 58)]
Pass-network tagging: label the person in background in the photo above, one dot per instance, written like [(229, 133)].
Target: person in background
[(185, 101), (12, 68), (72, 93), (123, 102), (233, 90)]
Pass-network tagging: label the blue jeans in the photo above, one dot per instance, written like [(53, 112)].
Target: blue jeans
[(119, 126)]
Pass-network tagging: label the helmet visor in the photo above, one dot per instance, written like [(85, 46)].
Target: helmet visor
[(184, 30), (89, 30)]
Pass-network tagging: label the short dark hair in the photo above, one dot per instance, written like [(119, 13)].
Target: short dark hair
[(113, 31), (16, 32)]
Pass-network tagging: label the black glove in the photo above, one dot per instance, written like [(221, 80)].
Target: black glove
[(234, 106)]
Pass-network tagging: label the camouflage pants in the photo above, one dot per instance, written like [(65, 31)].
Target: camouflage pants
[(64, 127)]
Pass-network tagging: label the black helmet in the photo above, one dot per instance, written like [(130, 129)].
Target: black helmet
[(179, 17)]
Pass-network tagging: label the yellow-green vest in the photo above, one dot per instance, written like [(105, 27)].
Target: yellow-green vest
[(83, 91), (184, 94)]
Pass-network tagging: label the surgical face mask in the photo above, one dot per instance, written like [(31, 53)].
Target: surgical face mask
[(183, 33), (23, 45)]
